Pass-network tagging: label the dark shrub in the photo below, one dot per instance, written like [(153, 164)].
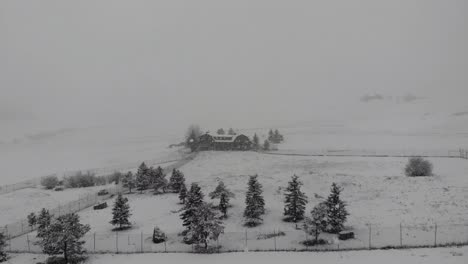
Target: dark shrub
[(80, 180), (58, 189), (102, 192), (158, 236), (345, 235), (49, 182), (418, 167), (100, 206), (313, 242)]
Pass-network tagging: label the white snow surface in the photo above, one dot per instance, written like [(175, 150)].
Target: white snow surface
[(455, 255)]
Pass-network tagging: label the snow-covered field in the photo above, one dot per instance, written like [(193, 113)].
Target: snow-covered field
[(100, 149), (375, 189), (455, 255), (17, 205)]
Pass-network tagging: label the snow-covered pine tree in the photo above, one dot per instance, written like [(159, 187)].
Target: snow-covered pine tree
[(219, 190), (255, 204), (3, 244), (158, 179), (336, 210), (318, 222), (205, 226), (183, 193), (32, 220), (129, 181), (266, 145), (255, 142), (270, 135), (121, 213), (294, 201), (177, 180), (193, 200), (224, 194), (63, 237), (142, 177), (278, 138), (43, 221)]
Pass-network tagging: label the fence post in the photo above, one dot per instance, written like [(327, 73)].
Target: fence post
[(370, 236), (435, 235), (117, 242), (274, 237), (94, 244), (27, 238), (246, 238), (141, 242), (165, 247), (401, 238)]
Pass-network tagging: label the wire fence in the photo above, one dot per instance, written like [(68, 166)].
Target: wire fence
[(22, 227), (434, 153), (370, 237), (4, 189)]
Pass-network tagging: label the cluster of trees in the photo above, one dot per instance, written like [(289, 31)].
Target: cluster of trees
[(59, 235), (275, 137), (80, 180), (153, 178), (256, 145), (328, 216), (229, 132)]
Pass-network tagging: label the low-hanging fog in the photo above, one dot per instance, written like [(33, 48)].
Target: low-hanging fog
[(68, 65)]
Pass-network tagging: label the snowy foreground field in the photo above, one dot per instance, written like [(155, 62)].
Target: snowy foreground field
[(426, 255), (376, 190)]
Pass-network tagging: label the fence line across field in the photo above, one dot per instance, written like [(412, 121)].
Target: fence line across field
[(22, 227), (370, 237)]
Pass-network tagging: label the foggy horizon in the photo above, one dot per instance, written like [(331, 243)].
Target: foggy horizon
[(87, 63)]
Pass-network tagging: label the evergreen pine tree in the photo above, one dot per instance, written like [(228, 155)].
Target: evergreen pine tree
[(336, 210), (255, 204), (158, 179), (255, 142), (183, 193), (3, 244), (63, 237), (32, 220), (121, 212), (266, 145), (295, 201), (318, 222), (224, 194), (271, 135), (142, 177), (192, 202), (43, 221), (129, 181), (177, 180), (205, 226)]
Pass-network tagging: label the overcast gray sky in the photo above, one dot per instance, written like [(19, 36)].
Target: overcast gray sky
[(86, 62)]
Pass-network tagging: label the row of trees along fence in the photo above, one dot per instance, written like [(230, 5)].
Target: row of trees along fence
[(370, 237), (22, 227)]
